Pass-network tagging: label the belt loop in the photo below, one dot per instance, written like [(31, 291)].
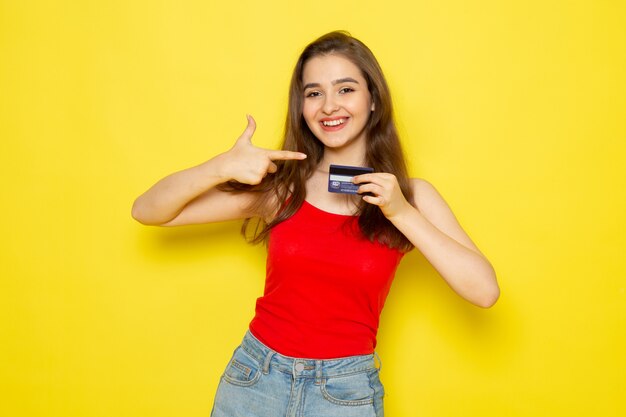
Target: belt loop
[(318, 372), (268, 359), (380, 363)]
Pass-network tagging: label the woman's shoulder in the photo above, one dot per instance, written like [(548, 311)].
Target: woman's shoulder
[(424, 193), (419, 183), (422, 186)]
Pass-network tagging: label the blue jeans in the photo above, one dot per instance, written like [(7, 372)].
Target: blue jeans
[(258, 382)]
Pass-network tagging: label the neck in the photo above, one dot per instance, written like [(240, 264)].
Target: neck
[(342, 157)]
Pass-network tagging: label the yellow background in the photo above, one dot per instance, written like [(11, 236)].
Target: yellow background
[(516, 112)]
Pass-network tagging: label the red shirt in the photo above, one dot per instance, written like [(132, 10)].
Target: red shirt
[(326, 286)]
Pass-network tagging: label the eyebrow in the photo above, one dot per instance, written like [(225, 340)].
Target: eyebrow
[(335, 82)]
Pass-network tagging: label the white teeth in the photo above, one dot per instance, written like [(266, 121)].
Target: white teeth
[(333, 122)]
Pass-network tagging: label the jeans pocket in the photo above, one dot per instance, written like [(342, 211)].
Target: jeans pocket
[(242, 370), (379, 391), (351, 390)]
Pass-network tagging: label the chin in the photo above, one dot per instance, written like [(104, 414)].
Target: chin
[(337, 142), (334, 144)]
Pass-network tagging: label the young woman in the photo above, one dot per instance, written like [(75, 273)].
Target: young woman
[(309, 350)]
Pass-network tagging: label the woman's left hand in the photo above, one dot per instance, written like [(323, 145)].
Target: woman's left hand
[(385, 193)]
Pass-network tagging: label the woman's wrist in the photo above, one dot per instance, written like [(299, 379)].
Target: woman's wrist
[(218, 168), (403, 214)]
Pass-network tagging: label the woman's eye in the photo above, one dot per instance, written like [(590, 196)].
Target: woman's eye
[(312, 94), (345, 90)]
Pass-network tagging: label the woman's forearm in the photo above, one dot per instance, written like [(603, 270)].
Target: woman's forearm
[(465, 269), (166, 199)]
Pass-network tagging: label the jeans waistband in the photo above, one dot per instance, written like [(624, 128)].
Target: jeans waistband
[(302, 367)]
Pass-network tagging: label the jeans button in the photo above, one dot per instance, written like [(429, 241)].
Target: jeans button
[(299, 367)]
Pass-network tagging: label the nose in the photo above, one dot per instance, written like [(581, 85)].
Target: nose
[(330, 105)]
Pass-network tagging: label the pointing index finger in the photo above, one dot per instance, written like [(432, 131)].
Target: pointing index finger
[(286, 155)]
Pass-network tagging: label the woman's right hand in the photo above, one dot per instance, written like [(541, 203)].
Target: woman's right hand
[(249, 164), (190, 196)]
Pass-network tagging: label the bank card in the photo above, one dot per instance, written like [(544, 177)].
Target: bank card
[(340, 178)]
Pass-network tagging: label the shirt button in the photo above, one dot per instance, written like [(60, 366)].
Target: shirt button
[(299, 367)]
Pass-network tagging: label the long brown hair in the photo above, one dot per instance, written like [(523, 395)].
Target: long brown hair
[(383, 150)]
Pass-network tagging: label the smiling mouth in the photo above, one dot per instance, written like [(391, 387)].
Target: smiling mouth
[(334, 123)]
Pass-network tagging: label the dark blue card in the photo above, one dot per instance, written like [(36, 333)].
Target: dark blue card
[(340, 178)]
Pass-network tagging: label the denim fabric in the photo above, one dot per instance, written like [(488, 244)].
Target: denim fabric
[(258, 382)]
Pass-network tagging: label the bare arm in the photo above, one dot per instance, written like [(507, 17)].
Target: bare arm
[(190, 196), (434, 230)]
